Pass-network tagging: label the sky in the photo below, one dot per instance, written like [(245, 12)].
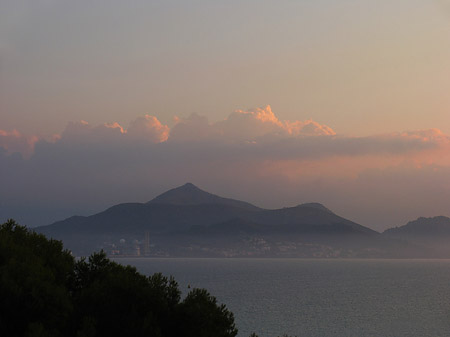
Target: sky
[(277, 103)]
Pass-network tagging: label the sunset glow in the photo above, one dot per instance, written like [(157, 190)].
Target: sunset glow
[(108, 102)]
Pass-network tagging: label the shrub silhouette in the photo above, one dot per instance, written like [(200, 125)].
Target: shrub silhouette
[(44, 291)]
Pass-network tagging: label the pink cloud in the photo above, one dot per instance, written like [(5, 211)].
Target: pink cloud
[(251, 154), (308, 128), (14, 141), (148, 128), (427, 135), (248, 125), (267, 122), (195, 128), (82, 132)]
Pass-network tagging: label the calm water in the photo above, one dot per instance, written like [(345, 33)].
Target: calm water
[(321, 297)]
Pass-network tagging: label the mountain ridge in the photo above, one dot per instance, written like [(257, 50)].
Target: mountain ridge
[(187, 221), (421, 226)]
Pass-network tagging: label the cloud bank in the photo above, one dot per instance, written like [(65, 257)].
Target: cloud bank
[(379, 180), (13, 141)]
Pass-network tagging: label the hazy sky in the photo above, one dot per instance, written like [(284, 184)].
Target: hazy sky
[(359, 95), (361, 66)]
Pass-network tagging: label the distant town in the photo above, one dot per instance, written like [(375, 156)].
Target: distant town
[(247, 247)]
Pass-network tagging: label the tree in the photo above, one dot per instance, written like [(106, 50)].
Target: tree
[(117, 300), (45, 292), (255, 335), (34, 276), (200, 316)]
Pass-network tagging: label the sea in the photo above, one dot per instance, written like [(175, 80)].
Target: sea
[(316, 297)]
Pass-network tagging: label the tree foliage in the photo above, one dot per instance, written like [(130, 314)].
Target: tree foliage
[(44, 291), (34, 283)]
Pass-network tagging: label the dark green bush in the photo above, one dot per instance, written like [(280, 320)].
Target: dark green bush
[(45, 292)]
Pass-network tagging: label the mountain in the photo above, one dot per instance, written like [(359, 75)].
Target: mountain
[(187, 221), (315, 205), (433, 233), (305, 216), (189, 194), (438, 226)]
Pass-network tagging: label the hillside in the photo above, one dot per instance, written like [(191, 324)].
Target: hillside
[(437, 226), (432, 233)]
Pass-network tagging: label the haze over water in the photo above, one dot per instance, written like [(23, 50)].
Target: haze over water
[(378, 298)]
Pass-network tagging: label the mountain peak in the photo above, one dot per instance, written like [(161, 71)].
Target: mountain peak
[(316, 205), (189, 194), (188, 186)]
